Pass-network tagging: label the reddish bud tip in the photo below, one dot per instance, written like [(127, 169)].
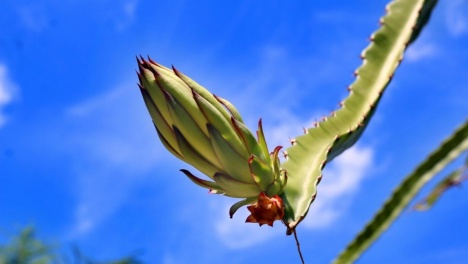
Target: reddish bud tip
[(266, 210)]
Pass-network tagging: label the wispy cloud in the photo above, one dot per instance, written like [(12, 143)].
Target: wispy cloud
[(111, 135), (7, 89), (341, 181), (421, 50), (236, 234), (33, 17), (457, 17), (127, 14)]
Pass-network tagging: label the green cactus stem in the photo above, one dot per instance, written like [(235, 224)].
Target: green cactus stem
[(310, 152)]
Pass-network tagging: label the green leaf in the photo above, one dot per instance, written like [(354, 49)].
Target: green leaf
[(452, 148)]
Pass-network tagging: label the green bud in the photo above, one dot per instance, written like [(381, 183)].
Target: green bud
[(208, 133)]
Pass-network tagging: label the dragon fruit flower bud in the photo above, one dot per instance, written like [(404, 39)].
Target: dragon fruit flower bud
[(208, 133)]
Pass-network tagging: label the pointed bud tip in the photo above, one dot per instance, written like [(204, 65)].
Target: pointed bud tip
[(151, 60), (177, 72)]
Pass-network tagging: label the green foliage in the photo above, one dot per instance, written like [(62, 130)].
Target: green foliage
[(26, 248)]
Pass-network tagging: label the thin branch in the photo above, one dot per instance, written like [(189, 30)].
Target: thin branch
[(298, 246)]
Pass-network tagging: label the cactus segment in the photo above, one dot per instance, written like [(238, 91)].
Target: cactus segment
[(455, 178), (223, 125), (262, 141), (449, 150), (228, 157), (236, 188), (333, 135), (230, 107), (249, 140), (188, 126), (239, 204), (202, 183), (258, 168), (192, 157), (167, 145)]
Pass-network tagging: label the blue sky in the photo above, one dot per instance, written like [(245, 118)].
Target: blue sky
[(79, 157)]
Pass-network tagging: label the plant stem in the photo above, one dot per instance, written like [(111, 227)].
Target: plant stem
[(298, 246)]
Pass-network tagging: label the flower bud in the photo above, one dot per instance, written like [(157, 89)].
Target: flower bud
[(208, 133)]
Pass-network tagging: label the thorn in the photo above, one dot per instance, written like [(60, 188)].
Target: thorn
[(372, 38), (315, 195), (292, 141), (333, 114), (141, 87), (341, 104), (319, 179), (356, 73), (305, 130), (324, 119), (322, 164), (316, 124), (285, 154), (177, 72), (152, 61), (381, 21), (349, 88), (362, 56)]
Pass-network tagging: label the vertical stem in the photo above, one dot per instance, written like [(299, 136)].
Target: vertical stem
[(298, 246)]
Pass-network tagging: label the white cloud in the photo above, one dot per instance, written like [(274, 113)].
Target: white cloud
[(341, 180), (236, 234), (33, 17), (128, 10), (457, 17), (117, 147), (420, 50), (7, 88)]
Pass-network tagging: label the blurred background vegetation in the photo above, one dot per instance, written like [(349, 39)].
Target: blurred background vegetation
[(26, 248)]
